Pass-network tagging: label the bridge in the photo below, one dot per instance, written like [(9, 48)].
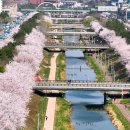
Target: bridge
[(67, 24), (70, 27), (81, 85), (60, 26), (70, 33), (76, 46), (76, 19), (55, 10)]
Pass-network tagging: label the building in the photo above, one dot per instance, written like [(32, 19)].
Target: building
[(1, 6), (52, 1), (41, 1), (128, 15), (12, 8), (35, 1)]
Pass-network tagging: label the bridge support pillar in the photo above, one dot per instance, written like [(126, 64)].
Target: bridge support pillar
[(105, 98)]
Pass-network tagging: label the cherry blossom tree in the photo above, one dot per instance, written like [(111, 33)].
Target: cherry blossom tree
[(118, 43), (17, 81)]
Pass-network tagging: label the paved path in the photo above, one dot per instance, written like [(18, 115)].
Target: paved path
[(50, 113), (124, 110)]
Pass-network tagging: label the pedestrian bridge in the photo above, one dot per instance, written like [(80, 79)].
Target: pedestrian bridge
[(76, 46), (55, 33), (68, 25), (76, 19), (56, 10), (71, 26), (81, 85)]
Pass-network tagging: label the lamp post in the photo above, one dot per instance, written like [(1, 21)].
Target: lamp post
[(38, 123)]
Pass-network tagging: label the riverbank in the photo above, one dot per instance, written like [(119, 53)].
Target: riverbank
[(118, 119), (63, 109), (60, 64), (113, 113), (38, 104), (62, 115), (99, 72), (44, 70)]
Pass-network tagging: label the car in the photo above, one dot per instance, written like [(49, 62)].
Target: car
[(6, 31), (2, 37)]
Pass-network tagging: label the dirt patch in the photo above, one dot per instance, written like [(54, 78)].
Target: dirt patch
[(63, 75)]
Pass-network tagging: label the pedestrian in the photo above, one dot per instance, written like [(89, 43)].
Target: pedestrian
[(114, 99), (46, 118), (69, 81), (80, 68)]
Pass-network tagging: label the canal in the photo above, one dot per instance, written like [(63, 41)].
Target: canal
[(78, 69)]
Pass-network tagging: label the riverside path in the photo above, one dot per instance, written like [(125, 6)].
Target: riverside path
[(50, 113)]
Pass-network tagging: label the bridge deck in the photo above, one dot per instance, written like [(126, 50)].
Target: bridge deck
[(67, 18), (82, 85), (77, 46), (71, 26), (51, 10), (71, 33)]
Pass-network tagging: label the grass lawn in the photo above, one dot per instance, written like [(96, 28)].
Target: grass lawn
[(44, 72), (99, 73), (62, 115), (44, 67), (60, 63), (121, 117), (63, 109), (36, 105), (125, 101), (100, 77), (47, 58)]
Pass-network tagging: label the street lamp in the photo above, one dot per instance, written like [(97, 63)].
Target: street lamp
[(38, 123)]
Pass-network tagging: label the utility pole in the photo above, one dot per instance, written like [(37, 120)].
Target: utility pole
[(38, 123)]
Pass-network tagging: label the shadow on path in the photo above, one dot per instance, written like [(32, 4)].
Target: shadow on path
[(49, 94)]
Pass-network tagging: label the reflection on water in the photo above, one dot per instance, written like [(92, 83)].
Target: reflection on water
[(82, 118), (78, 70), (84, 97), (90, 120)]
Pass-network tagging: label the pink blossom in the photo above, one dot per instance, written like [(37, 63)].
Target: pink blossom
[(118, 43), (17, 81)]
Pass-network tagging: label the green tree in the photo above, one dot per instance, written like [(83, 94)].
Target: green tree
[(4, 16), (2, 69), (88, 21), (119, 28)]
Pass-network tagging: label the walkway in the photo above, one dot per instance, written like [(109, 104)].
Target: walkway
[(124, 110), (50, 113)]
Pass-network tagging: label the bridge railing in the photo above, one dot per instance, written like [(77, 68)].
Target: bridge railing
[(74, 44), (81, 83)]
